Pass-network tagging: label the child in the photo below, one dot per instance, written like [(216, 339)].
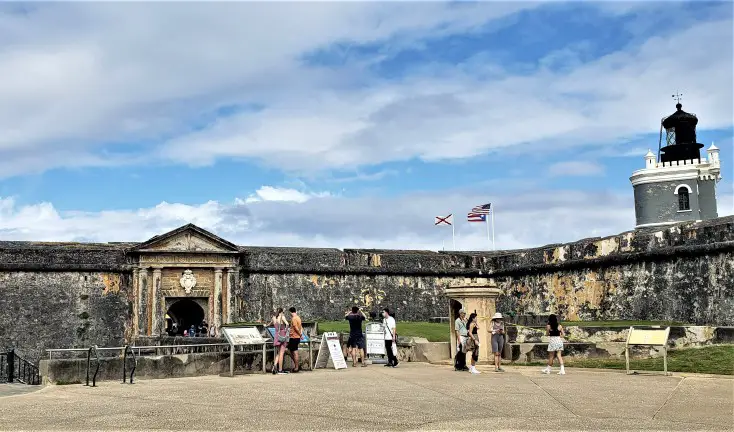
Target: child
[(555, 344)]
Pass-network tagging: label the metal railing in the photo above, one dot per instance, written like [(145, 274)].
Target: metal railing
[(124, 364), (14, 368), (89, 359), (149, 349)]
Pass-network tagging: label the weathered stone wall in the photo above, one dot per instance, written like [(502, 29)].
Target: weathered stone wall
[(61, 295), (62, 310), (66, 294), (329, 296)]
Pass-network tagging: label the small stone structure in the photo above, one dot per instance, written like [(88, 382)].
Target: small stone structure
[(474, 296)]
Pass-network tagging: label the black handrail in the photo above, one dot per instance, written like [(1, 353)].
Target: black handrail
[(89, 359), (14, 368), (124, 364)]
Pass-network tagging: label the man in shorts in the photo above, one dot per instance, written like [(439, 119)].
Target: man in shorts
[(296, 331), (355, 344)]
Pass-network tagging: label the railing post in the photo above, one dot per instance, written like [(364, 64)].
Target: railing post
[(11, 365)]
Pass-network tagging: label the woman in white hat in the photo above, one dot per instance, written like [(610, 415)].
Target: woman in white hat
[(498, 340)]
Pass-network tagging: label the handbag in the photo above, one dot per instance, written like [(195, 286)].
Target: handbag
[(470, 344), (282, 338)]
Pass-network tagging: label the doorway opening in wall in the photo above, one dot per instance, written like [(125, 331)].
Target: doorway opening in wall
[(183, 316)]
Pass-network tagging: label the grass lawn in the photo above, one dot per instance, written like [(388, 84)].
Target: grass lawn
[(434, 332), (619, 323), (717, 359)]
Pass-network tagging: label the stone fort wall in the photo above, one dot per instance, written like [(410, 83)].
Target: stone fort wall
[(74, 295)]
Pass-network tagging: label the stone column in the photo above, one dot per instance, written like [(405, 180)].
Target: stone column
[(136, 302), (480, 296), (226, 295), (142, 301), (155, 311), (217, 297)]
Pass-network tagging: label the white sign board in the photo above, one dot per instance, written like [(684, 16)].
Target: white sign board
[(243, 336), (330, 352), (375, 333)]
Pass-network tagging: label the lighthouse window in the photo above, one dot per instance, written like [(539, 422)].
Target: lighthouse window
[(683, 200)]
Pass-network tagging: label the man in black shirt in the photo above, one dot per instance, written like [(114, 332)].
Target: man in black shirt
[(355, 344)]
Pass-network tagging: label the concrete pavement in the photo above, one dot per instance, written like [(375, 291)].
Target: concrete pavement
[(414, 396)]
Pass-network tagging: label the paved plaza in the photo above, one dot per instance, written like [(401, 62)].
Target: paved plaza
[(411, 397)]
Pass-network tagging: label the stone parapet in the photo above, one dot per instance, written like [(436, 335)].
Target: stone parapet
[(689, 238)]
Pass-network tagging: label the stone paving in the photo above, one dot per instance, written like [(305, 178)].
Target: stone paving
[(414, 396)]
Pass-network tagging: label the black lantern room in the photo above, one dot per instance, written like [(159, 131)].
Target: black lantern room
[(680, 137)]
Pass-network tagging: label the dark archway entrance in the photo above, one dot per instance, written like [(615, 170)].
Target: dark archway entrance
[(184, 313)]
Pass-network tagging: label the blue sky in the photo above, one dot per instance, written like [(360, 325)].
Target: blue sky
[(348, 124)]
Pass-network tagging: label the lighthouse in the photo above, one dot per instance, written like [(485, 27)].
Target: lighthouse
[(677, 185)]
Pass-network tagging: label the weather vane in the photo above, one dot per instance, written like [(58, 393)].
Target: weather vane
[(678, 96)]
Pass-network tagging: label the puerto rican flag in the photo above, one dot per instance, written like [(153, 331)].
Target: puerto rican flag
[(476, 217)]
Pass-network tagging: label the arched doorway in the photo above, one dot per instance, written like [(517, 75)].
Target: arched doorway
[(454, 308), (184, 313)]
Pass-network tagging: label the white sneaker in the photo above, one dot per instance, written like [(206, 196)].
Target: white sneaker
[(546, 371), (474, 371), (562, 372)]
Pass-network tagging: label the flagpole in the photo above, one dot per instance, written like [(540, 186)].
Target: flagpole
[(493, 245), (453, 233), (486, 222)]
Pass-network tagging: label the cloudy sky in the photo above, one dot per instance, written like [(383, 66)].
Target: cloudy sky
[(347, 124)]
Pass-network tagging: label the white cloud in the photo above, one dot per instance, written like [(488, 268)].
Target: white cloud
[(523, 219), (455, 113), (77, 76), (270, 193), (575, 169)]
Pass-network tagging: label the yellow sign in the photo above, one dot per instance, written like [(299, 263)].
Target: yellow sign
[(648, 336)]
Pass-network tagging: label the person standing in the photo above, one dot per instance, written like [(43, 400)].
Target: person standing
[(296, 331), (472, 342), (461, 335), (555, 344), (280, 324), (391, 338), (355, 344), (498, 340)]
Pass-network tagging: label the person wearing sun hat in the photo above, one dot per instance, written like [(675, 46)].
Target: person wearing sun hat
[(498, 339)]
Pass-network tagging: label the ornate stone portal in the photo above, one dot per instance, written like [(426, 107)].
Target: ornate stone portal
[(187, 263), (479, 296)]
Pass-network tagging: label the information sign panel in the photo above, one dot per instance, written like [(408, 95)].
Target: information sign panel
[(375, 335), (330, 352), (648, 336), (238, 336), (243, 336), (304, 336)]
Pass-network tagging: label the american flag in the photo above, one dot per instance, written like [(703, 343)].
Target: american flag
[(483, 209), (476, 217)]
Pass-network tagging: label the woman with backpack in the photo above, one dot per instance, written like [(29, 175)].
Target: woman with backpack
[(280, 341)]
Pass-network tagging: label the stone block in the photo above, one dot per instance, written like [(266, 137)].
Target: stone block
[(431, 352)]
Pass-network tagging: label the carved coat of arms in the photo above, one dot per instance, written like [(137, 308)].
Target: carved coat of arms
[(188, 281)]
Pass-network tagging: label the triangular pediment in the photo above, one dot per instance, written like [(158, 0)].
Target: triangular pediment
[(188, 238)]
